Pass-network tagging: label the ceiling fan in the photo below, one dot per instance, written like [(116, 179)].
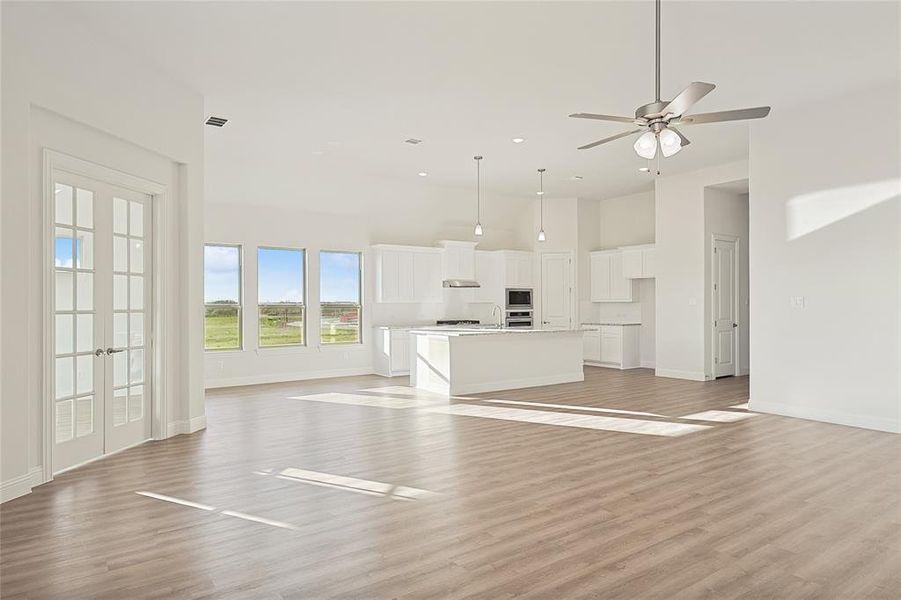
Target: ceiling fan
[(657, 119)]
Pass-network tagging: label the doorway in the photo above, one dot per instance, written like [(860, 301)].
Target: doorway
[(100, 306), (556, 289), (724, 304)]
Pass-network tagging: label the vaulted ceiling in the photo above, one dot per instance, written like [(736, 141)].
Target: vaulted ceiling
[(321, 96)]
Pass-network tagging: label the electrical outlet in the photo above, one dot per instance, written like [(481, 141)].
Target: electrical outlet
[(798, 302)]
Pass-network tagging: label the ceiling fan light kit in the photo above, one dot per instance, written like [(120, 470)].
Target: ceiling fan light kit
[(657, 119)]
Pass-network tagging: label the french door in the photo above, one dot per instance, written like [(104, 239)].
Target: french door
[(101, 324)]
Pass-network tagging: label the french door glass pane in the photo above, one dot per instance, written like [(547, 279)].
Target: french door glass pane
[(65, 292), (137, 329), (85, 291), (84, 374), (120, 369), (85, 333), (135, 402), (136, 222), (136, 295), (63, 204), (65, 376), (64, 419), (84, 250), (137, 256), (120, 330), (120, 407), (84, 416), (120, 254), (65, 334), (62, 247), (136, 366), (120, 292)]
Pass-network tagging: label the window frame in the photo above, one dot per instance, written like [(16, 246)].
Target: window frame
[(360, 285), (303, 303), (240, 305)]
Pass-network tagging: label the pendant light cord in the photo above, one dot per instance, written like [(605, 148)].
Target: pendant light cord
[(541, 194), (478, 160)]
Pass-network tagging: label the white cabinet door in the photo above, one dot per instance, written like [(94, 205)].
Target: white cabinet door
[(600, 277), (427, 277), (620, 287), (400, 351), (388, 276), (611, 345), (519, 270), (632, 264), (524, 271), (591, 346)]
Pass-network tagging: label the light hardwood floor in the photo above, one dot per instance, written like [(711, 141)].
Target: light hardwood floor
[(360, 488)]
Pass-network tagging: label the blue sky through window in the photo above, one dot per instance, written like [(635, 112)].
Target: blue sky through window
[(221, 274), (280, 275), (339, 277)]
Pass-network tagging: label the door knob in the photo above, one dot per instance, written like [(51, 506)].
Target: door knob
[(111, 351), (99, 352)]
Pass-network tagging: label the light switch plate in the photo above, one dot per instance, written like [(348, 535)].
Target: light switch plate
[(798, 302)]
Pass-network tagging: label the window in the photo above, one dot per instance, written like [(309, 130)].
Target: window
[(339, 297), (280, 293), (222, 297)]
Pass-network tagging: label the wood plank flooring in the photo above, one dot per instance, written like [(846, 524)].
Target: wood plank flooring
[(624, 486)]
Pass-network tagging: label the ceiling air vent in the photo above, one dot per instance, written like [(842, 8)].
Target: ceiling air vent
[(413, 141), (216, 121)]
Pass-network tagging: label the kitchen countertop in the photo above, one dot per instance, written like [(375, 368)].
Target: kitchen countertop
[(613, 323), (466, 331)]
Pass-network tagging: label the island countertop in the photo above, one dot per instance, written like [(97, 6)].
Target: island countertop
[(491, 331)]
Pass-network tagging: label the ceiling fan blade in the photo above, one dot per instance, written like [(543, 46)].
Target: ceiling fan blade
[(687, 97), (606, 118), (726, 115), (684, 140), (609, 139)]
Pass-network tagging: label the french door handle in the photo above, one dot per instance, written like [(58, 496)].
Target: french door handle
[(111, 351), (99, 352)]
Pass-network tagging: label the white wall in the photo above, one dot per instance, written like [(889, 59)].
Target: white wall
[(627, 220), (436, 214), (120, 113), (825, 225), (680, 286)]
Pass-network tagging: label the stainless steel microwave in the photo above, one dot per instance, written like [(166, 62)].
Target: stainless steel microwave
[(519, 298)]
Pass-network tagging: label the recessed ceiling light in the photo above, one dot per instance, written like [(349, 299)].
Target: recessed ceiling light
[(518, 140), (423, 174)]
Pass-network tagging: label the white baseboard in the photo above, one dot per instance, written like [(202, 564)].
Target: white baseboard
[(187, 426), (512, 384), (648, 364), (675, 374), (827, 416), (285, 377), (21, 485)]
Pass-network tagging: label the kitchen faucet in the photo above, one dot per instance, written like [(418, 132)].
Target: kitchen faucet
[(500, 315)]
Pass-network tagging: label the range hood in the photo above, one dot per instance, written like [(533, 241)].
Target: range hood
[(460, 283)]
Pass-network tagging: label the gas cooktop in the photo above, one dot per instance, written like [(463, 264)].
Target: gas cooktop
[(457, 322)]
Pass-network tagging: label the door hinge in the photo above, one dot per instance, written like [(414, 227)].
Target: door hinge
[(716, 361), (714, 286)]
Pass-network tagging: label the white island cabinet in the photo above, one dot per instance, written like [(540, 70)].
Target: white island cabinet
[(392, 351), (469, 361)]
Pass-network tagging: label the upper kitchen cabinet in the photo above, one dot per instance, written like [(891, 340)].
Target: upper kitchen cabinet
[(459, 259), (608, 282), (407, 273), (489, 274), (518, 269), (638, 261)]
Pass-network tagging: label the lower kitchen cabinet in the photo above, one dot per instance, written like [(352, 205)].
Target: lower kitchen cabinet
[(392, 351), (613, 346)]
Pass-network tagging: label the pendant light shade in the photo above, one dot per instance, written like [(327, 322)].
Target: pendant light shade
[(646, 145), (541, 236), (478, 228)]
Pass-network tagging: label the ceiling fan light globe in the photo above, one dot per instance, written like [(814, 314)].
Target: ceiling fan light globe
[(670, 143), (646, 145)]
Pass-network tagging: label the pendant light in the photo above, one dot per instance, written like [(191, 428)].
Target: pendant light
[(541, 236), (478, 229)]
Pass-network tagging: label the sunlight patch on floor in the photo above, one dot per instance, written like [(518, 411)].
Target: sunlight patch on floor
[(623, 425), (576, 407), (350, 484), (719, 416), (214, 510)]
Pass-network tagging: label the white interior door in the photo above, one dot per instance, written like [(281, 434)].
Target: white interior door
[(556, 289), (101, 324), (725, 317)]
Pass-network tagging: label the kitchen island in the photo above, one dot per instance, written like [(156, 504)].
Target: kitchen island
[(468, 361)]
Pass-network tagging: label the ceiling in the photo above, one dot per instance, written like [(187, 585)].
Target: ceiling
[(321, 96)]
